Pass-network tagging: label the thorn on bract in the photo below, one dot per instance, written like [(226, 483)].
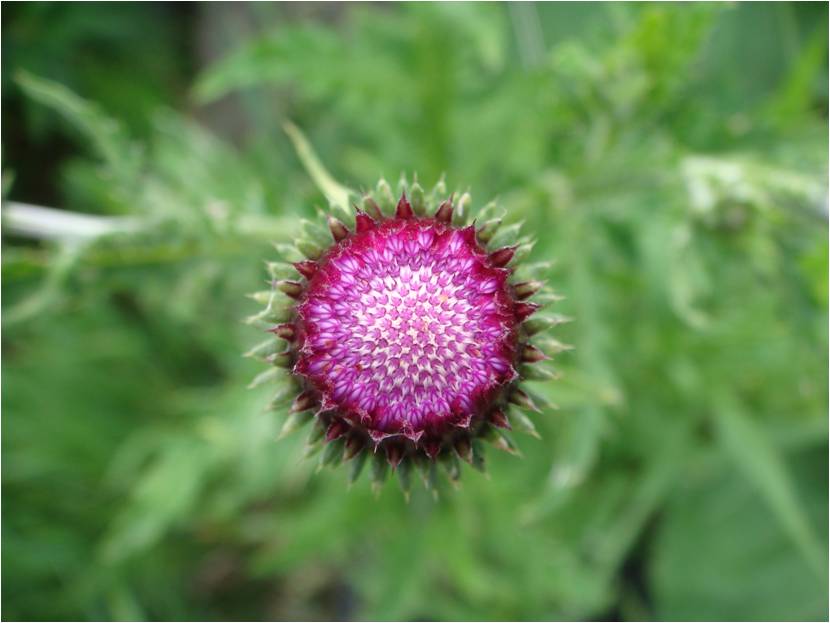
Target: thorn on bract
[(394, 454), (357, 466), (338, 230), (364, 222), (285, 331), (281, 360), (502, 257), (303, 402), (293, 422), (499, 419), (336, 429), (307, 268), (531, 354), (526, 289), (371, 208), (292, 288), (354, 445), (520, 398), (464, 448), (525, 310), (404, 209), (444, 212)]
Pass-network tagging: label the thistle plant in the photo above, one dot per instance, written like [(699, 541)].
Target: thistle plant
[(406, 330)]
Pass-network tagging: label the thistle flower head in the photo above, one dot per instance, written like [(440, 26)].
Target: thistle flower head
[(408, 328), (406, 333)]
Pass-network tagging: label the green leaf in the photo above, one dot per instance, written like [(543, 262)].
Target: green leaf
[(761, 464), (719, 554), (337, 194), (108, 138)]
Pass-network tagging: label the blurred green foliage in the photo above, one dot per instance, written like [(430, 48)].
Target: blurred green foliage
[(672, 158)]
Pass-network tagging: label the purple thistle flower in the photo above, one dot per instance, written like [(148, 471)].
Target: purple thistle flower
[(407, 337)]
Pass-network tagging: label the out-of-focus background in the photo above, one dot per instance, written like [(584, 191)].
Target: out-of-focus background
[(671, 158)]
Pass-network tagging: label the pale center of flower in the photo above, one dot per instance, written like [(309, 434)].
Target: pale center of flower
[(406, 326)]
